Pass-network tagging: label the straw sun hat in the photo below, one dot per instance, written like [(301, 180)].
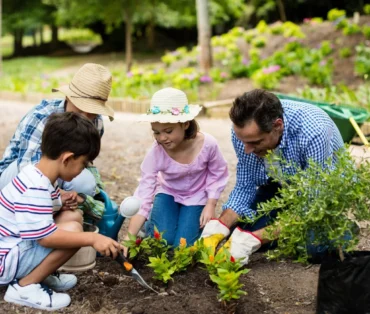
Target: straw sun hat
[(170, 105), (89, 89)]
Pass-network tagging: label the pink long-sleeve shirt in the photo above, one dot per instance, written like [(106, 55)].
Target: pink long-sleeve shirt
[(190, 184)]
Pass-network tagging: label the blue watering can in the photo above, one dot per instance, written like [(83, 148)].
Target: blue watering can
[(111, 222)]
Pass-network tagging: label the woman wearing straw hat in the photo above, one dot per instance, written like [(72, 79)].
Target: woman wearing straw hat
[(183, 174), (87, 94)]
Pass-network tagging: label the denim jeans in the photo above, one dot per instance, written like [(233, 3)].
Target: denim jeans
[(264, 193), (175, 220)]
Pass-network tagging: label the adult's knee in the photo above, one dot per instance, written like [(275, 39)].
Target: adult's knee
[(84, 183)]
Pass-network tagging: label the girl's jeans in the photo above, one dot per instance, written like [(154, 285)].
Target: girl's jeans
[(175, 220)]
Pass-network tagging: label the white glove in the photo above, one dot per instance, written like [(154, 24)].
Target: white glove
[(213, 233), (242, 244)]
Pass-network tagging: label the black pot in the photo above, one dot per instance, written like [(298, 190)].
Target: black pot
[(344, 287)]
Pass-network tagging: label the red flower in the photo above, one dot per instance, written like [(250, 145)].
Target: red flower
[(157, 235), (138, 241), (232, 259)]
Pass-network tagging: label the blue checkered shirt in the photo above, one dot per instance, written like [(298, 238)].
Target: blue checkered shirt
[(309, 133), (25, 145)]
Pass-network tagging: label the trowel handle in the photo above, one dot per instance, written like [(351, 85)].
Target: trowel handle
[(122, 260)]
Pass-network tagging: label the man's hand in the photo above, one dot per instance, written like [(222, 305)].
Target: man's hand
[(106, 246), (242, 244), (209, 212), (213, 233)]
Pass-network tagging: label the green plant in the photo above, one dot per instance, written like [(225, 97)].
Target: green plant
[(319, 73), (292, 30), (335, 14), (163, 268), (366, 31), (262, 27), (366, 9), (259, 42), (345, 52), (351, 29), (228, 283), (267, 78), (136, 245), (277, 28), (158, 245), (326, 48), (362, 61), (183, 256), (316, 204)]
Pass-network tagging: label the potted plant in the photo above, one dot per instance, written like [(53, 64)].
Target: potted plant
[(318, 209)]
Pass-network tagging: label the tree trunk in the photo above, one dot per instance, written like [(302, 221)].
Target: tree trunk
[(150, 34), (54, 37), (18, 36), (34, 39), (204, 35), (128, 21), (1, 54), (281, 6), (41, 33)]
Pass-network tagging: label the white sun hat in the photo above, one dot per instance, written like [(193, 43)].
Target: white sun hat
[(170, 105), (89, 89)]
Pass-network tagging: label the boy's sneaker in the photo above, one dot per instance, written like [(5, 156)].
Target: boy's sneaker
[(60, 282), (36, 296)]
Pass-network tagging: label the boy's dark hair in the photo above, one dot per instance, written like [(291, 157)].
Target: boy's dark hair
[(258, 105), (70, 132), (192, 130)]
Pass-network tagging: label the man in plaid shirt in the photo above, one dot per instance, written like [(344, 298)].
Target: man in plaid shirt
[(86, 94), (296, 131)]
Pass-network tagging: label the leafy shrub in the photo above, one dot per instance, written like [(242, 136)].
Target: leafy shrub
[(326, 48), (173, 56), (277, 28), (259, 42), (317, 205), (292, 30), (262, 27), (362, 61), (335, 14), (366, 31), (319, 73), (351, 29), (366, 9), (267, 78), (345, 52)]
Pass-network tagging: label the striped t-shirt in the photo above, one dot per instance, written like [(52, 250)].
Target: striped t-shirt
[(27, 205)]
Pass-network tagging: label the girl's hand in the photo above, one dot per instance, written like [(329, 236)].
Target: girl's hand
[(209, 212)]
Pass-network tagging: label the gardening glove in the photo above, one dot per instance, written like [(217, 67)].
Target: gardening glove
[(213, 233), (242, 244)]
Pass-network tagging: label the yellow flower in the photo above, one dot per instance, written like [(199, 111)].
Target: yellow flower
[(183, 242), (211, 258)]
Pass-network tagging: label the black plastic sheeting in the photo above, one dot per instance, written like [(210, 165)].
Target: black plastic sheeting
[(344, 287)]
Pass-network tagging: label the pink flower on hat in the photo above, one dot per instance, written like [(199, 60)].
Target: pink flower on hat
[(175, 111)]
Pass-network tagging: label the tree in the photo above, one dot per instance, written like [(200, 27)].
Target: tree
[(204, 35), (20, 17)]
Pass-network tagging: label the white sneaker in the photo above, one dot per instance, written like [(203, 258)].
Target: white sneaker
[(36, 296), (60, 282)]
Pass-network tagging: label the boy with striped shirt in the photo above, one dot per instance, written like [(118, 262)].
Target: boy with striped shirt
[(33, 244)]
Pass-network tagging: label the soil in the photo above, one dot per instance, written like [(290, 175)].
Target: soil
[(272, 287)]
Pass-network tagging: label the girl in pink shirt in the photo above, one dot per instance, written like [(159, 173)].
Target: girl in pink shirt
[(183, 174)]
